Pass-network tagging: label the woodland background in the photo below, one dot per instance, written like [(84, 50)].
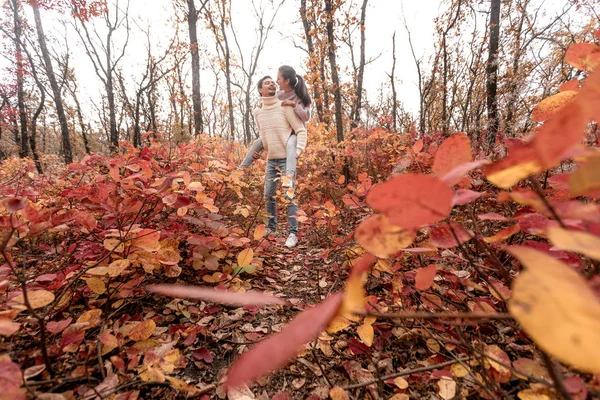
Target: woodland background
[(450, 253)]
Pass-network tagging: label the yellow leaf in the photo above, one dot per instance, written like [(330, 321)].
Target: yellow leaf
[(337, 393), (143, 330), (96, 285), (366, 333), (181, 385), (401, 382), (116, 244), (586, 178), (91, 316), (447, 388), (245, 257), (557, 308), (459, 371), (433, 345), (259, 232), (151, 374), (117, 267), (97, 271), (579, 242), (337, 324), (382, 239), (551, 105), (536, 394), (36, 298)]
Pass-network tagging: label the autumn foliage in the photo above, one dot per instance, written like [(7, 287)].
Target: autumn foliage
[(444, 272)]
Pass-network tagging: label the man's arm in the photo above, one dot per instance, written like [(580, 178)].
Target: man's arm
[(298, 127)]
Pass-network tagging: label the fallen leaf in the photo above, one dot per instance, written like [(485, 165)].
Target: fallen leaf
[(425, 276), (37, 299), (142, 330), (447, 388), (337, 393)]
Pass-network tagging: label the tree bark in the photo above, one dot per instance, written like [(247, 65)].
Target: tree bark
[(361, 65), (196, 98), (307, 25), (492, 74), (392, 80), (60, 110), (24, 150), (339, 125)]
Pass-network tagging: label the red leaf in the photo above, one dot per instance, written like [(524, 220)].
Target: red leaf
[(465, 196), (217, 296), (203, 354), (15, 204), (492, 217), (425, 276), (454, 151), (278, 349), (443, 236), (412, 200), (59, 326), (418, 146), (573, 84), (459, 171), (583, 56), (10, 377)]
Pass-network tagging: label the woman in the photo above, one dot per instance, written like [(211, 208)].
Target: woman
[(293, 93)]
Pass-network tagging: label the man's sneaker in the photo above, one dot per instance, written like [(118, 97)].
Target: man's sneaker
[(269, 232), (291, 241)]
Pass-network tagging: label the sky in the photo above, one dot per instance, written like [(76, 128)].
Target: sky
[(383, 18)]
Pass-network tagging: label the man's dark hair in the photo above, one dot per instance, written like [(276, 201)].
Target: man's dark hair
[(260, 82)]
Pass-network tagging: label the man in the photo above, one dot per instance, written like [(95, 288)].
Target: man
[(275, 124)]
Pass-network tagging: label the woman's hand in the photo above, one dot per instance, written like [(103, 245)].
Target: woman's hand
[(288, 103)]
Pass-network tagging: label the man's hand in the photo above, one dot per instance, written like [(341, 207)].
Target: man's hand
[(289, 103), (256, 155)]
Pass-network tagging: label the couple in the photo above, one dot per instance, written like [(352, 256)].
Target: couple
[(281, 119)]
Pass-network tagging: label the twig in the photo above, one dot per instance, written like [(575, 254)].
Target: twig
[(441, 315), (314, 353), (538, 190), (406, 372), (556, 375)]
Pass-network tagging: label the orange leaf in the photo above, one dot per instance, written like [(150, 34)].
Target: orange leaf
[(579, 242), (245, 257), (454, 151), (583, 56), (418, 146), (337, 393), (503, 234), (36, 298), (142, 331), (96, 285), (573, 84), (586, 179), (259, 231), (425, 277), (551, 105), (341, 180), (376, 235), (354, 292), (217, 296), (117, 267), (412, 200), (277, 350), (443, 236)]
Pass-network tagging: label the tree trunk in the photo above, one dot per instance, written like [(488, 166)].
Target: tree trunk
[(228, 79), (60, 111), (24, 150), (492, 74), (334, 73), (392, 79), (361, 66), (196, 99), (306, 23)]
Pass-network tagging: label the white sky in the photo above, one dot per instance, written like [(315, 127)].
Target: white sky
[(383, 18)]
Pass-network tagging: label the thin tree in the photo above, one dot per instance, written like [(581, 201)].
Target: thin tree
[(393, 84), (192, 18), (355, 116), (339, 125), (492, 74), (56, 92), (104, 62)]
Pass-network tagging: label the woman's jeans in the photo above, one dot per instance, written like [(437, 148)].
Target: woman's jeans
[(257, 146), (272, 179)]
